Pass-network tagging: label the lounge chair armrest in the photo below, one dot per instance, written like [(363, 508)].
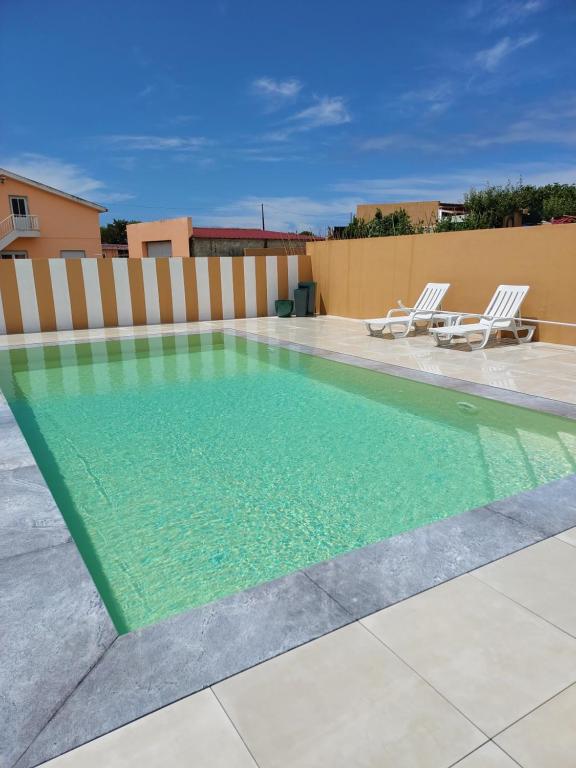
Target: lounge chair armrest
[(402, 310), (461, 318)]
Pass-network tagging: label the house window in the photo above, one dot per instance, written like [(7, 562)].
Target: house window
[(19, 206), (72, 254), (14, 255)]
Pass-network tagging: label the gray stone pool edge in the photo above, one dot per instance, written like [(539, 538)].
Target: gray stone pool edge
[(67, 677)]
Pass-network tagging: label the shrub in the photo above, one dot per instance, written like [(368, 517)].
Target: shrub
[(559, 201), (396, 223)]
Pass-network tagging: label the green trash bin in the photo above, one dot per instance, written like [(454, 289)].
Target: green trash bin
[(311, 288), (284, 307), (301, 302)]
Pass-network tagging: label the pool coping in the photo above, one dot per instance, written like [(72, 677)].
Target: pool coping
[(67, 677)]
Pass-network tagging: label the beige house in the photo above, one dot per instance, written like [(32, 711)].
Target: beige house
[(422, 213), (41, 222)]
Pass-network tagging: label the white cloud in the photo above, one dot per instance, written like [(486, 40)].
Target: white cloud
[(491, 58), (144, 142), (146, 91), (328, 110), (265, 154), (521, 132), (473, 8), (287, 214), (526, 132), (283, 89), (276, 94), (552, 122), (511, 12), (115, 197), (450, 187), (181, 119), (53, 172), (435, 99), (501, 13), (64, 176), (407, 141)]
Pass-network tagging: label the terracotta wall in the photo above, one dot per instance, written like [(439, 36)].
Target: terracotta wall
[(364, 278), (61, 294), (65, 225)]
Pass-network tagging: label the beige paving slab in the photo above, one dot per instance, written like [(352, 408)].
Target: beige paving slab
[(344, 700), (568, 536), (490, 657), (546, 738), (542, 578), (193, 733), (488, 756)]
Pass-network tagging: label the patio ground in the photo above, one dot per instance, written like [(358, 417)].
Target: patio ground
[(477, 672)]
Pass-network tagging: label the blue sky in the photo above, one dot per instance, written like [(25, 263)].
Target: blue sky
[(160, 109)]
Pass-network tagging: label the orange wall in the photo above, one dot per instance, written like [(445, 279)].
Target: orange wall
[(64, 224), (364, 278), (423, 212), (178, 231)]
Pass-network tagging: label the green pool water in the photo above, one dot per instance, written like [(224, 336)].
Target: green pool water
[(191, 467)]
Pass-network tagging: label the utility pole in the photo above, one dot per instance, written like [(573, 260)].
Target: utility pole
[(262, 207)]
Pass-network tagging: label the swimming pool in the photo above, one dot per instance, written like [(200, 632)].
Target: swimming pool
[(191, 467)]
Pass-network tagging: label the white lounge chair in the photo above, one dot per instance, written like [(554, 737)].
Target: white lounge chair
[(425, 311), (502, 314)]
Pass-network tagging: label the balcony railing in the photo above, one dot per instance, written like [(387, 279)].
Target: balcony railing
[(20, 224)]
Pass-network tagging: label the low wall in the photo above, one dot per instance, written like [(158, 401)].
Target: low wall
[(364, 278), (60, 294)]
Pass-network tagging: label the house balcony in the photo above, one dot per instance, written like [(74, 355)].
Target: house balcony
[(14, 227)]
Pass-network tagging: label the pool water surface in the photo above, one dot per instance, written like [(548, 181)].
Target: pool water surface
[(188, 468)]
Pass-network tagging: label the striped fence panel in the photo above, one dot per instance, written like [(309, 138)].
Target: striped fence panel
[(59, 294)]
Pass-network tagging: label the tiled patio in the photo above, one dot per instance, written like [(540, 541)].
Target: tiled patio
[(478, 672)]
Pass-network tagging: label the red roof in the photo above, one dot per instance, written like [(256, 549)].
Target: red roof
[(222, 233)]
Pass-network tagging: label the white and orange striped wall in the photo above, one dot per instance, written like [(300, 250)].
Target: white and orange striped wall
[(60, 294)]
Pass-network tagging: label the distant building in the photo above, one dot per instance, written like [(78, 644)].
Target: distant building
[(115, 250), (40, 222), (422, 213), (177, 237)]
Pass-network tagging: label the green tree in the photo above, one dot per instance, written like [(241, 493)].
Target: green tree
[(559, 200), (116, 231), (453, 224), (494, 206), (396, 223), (488, 207)]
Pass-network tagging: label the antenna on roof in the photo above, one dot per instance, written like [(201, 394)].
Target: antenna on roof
[(262, 207)]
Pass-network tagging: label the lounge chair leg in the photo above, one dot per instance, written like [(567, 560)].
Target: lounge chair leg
[(441, 341), (479, 344), (402, 334), (524, 339)]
